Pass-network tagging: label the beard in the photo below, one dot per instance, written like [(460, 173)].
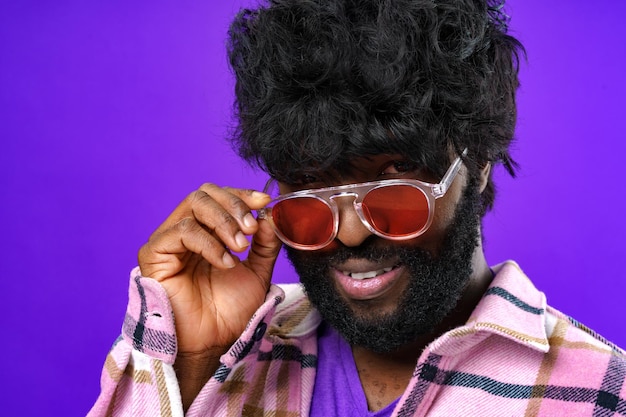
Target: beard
[(436, 282)]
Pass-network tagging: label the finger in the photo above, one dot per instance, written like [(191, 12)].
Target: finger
[(224, 211), (239, 202), (164, 255), (220, 221), (227, 213), (254, 199), (264, 251), (204, 204)]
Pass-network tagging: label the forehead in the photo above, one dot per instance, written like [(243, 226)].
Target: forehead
[(359, 170)]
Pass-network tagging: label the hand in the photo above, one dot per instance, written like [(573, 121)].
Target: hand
[(213, 294)]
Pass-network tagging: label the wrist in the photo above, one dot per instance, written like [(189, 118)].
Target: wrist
[(194, 369)]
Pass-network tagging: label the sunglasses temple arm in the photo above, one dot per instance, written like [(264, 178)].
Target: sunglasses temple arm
[(262, 213), (440, 189)]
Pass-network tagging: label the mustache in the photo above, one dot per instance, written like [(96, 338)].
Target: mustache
[(370, 250)]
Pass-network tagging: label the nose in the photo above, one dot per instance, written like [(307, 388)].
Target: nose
[(352, 232)]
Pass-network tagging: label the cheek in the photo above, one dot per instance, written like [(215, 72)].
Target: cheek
[(445, 208)]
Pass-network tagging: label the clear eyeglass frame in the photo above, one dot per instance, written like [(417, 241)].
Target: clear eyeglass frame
[(358, 191)]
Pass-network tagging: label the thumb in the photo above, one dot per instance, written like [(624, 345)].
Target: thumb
[(264, 251)]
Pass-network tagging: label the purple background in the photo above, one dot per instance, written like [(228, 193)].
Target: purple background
[(112, 112)]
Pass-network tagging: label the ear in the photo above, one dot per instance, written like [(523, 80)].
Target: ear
[(484, 176)]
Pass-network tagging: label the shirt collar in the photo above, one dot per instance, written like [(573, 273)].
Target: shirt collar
[(511, 308)]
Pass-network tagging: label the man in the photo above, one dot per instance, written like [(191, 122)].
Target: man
[(378, 123)]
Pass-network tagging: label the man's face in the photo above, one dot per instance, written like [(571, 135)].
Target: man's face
[(382, 294)]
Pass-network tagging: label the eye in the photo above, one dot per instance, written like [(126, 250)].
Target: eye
[(400, 167), (303, 181)]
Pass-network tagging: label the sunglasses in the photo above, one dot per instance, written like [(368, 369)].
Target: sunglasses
[(395, 209)]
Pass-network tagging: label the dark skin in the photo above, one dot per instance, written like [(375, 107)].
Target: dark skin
[(384, 376), (188, 255)]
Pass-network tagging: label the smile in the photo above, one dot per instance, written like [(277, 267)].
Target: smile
[(365, 282), (368, 274)]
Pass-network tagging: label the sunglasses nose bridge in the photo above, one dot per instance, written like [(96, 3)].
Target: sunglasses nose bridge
[(342, 194), (339, 200), (351, 229)]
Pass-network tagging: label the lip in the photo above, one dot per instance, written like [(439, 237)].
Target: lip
[(368, 288)]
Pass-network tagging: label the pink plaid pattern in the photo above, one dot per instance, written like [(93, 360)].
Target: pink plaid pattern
[(514, 357)]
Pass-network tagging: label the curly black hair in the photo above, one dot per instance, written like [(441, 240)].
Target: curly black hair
[(320, 82)]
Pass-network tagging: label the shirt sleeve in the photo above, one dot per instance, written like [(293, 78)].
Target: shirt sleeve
[(138, 376)]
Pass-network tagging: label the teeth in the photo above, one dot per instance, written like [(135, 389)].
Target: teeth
[(368, 274)]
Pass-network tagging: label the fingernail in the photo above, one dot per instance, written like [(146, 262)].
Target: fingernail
[(249, 220), (257, 194), (228, 260), (241, 240)]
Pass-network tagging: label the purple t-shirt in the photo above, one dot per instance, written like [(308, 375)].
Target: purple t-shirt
[(338, 390)]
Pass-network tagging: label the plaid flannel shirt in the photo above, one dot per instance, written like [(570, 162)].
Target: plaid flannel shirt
[(515, 357)]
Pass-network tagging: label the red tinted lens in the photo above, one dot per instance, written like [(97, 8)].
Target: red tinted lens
[(303, 220), (396, 210)]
